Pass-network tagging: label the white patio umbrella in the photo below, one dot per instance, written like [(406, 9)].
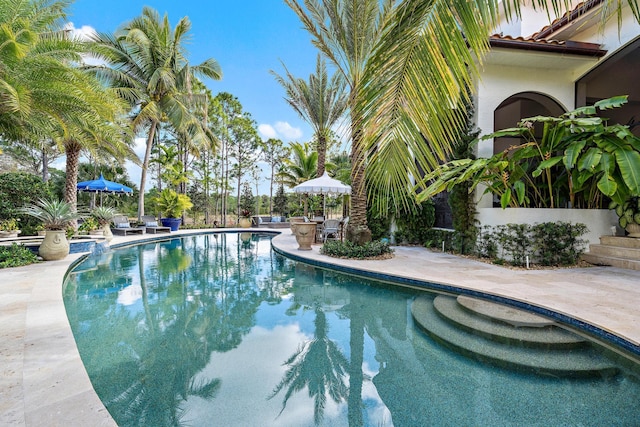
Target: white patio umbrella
[(323, 185)]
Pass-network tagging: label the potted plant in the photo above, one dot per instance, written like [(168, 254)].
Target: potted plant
[(171, 205), (245, 218), (40, 230), (629, 215), (88, 226), (56, 215), (104, 215), (9, 228)]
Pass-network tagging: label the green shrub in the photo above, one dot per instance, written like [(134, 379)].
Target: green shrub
[(414, 226), (487, 245), (346, 249), (548, 243), (558, 243), (15, 256), (379, 226), (18, 189), (515, 240)]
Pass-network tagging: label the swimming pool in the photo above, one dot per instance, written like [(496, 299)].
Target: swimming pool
[(218, 329)]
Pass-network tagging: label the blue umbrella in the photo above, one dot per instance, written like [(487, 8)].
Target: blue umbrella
[(101, 185)]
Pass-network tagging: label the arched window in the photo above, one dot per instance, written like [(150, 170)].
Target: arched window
[(517, 107)]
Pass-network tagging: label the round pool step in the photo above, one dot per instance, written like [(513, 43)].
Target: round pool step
[(581, 362), (501, 329), (503, 313)]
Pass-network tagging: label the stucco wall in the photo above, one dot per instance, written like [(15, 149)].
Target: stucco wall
[(598, 221)]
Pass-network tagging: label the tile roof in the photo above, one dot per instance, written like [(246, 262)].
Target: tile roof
[(580, 9), (544, 45)]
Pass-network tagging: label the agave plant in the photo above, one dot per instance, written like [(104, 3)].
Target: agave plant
[(103, 214), (54, 214)]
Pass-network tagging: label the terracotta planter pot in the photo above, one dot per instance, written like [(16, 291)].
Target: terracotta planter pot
[(55, 245), (244, 222), (295, 220), (305, 233)]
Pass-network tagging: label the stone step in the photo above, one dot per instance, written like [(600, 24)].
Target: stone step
[(629, 264), (573, 363), (501, 328), (623, 242), (615, 251), (503, 313)]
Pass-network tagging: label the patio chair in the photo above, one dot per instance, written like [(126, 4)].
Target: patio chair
[(330, 228), (122, 227), (151, 225)]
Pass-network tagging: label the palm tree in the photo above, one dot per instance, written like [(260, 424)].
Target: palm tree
[(302, 166), (148, 67), (44, 97), (320, 102), (30, 42), (345, 32), (405, 63)]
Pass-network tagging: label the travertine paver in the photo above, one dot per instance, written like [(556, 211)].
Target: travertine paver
[(43, 381)]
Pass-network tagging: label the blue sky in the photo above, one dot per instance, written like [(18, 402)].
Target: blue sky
[(247, 38)]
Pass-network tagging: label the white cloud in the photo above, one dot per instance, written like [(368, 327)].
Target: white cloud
[(288, 131), (82, 33), (282, 130), (267, 131), (86, 32)]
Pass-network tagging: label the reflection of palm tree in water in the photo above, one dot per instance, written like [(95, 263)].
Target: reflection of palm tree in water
[(318, 364)]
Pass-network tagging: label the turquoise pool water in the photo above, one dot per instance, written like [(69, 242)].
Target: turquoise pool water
[(218, 330)]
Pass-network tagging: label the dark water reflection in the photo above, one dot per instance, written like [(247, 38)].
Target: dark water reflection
[(219, 330)]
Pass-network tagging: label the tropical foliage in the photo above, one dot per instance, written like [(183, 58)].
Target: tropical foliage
[(578, 159), (46, 99), (16, 256), (300, 167), (54, 214), (17, 190), (405, 63), (321, 102), (172, 204), (148, 67)]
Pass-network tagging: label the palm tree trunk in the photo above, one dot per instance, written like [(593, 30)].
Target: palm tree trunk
[(358, 230), (322, 153), (72, 151), (45, 166), (145, 166)]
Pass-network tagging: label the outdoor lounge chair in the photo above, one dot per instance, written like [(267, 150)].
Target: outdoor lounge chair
[(330, 228), (151, 225), (122, 227)]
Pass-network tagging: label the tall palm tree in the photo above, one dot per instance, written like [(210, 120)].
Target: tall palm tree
[(43, 96), (405, 63), (346, 32), (320, 102), (431, 52), (147, 65)]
